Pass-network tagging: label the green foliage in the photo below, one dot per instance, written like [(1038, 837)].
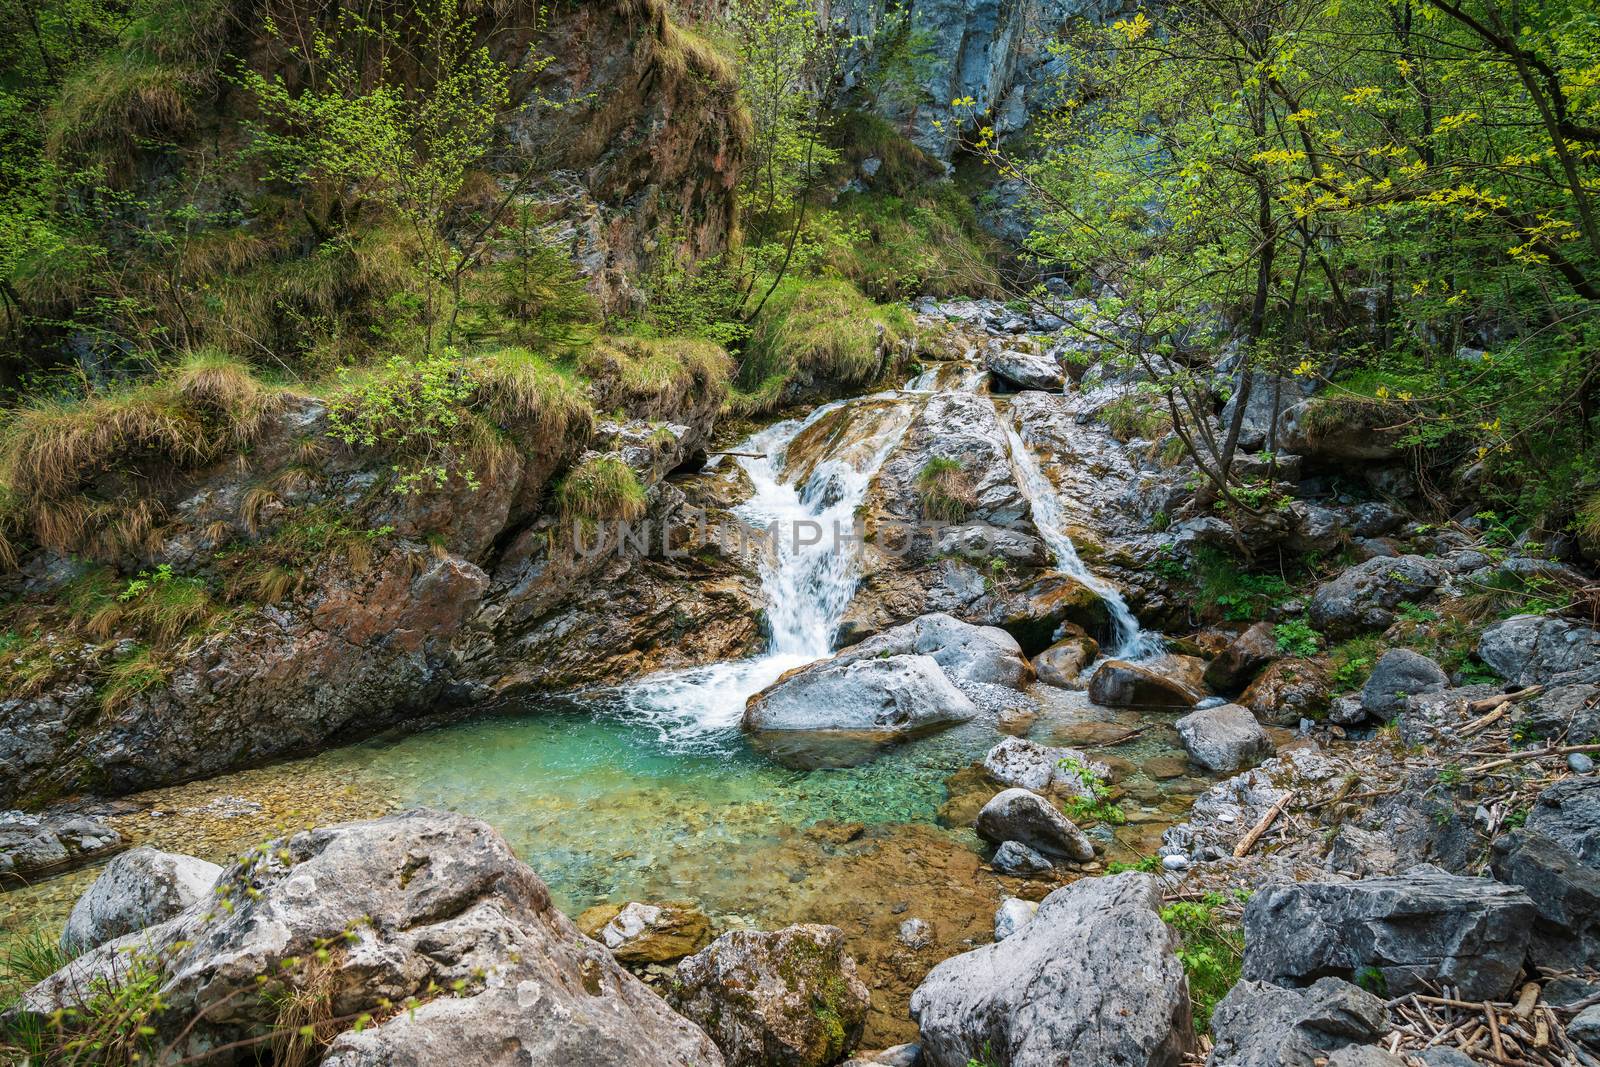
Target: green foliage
[(894, 247), (136, 671), (1297, 637), (1211, 951), (412, 409), (1135, 415), (1098, 805), (601, 488), (945, 490), (1352, 661), (1223, 590), (1145, 865)]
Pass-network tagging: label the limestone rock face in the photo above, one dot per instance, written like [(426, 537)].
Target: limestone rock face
[(410, 903), (1262, 1025), (1025, 370), (1018, 762), (1289, 690), (1091, 979), (1417, 929), (893, 695), (966, 653), (1529, 649), (789, 998), (138, 889)]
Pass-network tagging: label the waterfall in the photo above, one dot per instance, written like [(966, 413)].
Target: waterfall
[(807, 586), (1132, 642)]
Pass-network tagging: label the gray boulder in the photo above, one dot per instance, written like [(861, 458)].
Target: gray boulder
[(966, 653), (1165, 683), (1430, 718), (1585, 1027), (1556, 858), (1026, 817), (1398, 674), (1224, 738), (35, 845), (138, 889), (1263, 1025), (1563, 713), (415, 902), (1018, 762), (1015, 858), (894, 695), (1271, 397), (1529, 649), (1569, 814), (1092, 979), (1025, 370), (1365, 596), (789, 998), (1416, 930), (1244, 658)]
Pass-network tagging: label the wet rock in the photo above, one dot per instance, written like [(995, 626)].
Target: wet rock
[(1263, 1025), (1036, 614), (1243, 659), (915, 934), (1288, 691), (894, 695), (1365, 596), (1398, 674), (1027, 818), (1224, 738), (639, 933), (1096, 950), (1416, 930), (1025, 370), (32, 846), (1013, 914), (967, 654), (138, 889), (1013, 857), (1062, 663), (898, 1056), (1529, 649), (1168, 682), (415, 901), (788, 998), (1016, 761)]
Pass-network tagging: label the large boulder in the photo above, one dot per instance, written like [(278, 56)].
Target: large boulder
[(1400, 673), (1168, 682), (1556, 858), (893, 695), (639, 933), (1018, 762), (1091, 979), (1025, 370), (138, 889), (426, 905), (1290, 690), (966, 653), (1365, 596), (789, 998), (1262, 1025), (35, 846), (1243, 659), (1415, 930), (1530, 649), (1027, 818), (1224, 738), (1062, 663)]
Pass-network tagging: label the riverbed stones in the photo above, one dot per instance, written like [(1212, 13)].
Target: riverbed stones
[(1415, 930), (966, 653), (1025, 817), (36, 845), (138, 889), (1224, 738), (892, 695), (788, 998), (1259, 1024), (417, 901), (1530, 649), (1015, 858), (1091, 979), (1243, 658), (1168, 682), (1398, 674), (1366, 596), (639, 933)]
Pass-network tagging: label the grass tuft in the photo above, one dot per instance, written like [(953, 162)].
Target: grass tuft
[(657, 377), (601, 488), (945, 490)]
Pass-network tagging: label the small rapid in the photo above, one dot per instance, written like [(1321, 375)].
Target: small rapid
[(809, 573), (1132, 641)]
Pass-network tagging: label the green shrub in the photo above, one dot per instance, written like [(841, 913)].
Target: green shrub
[(1224, 590), (1351, 661), (1296, 637), (601, 488), (893, 247), (1132, 415), (1211, 951)]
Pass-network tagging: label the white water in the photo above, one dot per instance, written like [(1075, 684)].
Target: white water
[(807, 579), (1132, 642)]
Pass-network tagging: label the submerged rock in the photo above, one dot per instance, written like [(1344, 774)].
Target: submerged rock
[(32, 846), (648, 933), (1013, 857), (893, 695), (138, 889), (789, 998), (1168, 682), (1224, 738), (1026, 817), (1091, 979), (1415, 930), (410, 903)]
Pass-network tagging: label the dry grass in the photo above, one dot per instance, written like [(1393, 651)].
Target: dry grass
[(945, 490), (601, 488), (656, 378), (519, 389)]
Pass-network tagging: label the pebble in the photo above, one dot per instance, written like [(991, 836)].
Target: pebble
[(1578, 763), (1175, 863)]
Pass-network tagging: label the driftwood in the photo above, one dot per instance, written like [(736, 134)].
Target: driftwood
[(1532, 753), (1249, 840)]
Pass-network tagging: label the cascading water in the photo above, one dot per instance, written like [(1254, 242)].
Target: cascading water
[(808, 578), (1132, 642)]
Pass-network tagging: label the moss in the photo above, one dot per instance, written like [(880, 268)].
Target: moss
[(518, 388)]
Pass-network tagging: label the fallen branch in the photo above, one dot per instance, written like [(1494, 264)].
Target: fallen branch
[(1500, 700), (1534, 753), (1249, 840)]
